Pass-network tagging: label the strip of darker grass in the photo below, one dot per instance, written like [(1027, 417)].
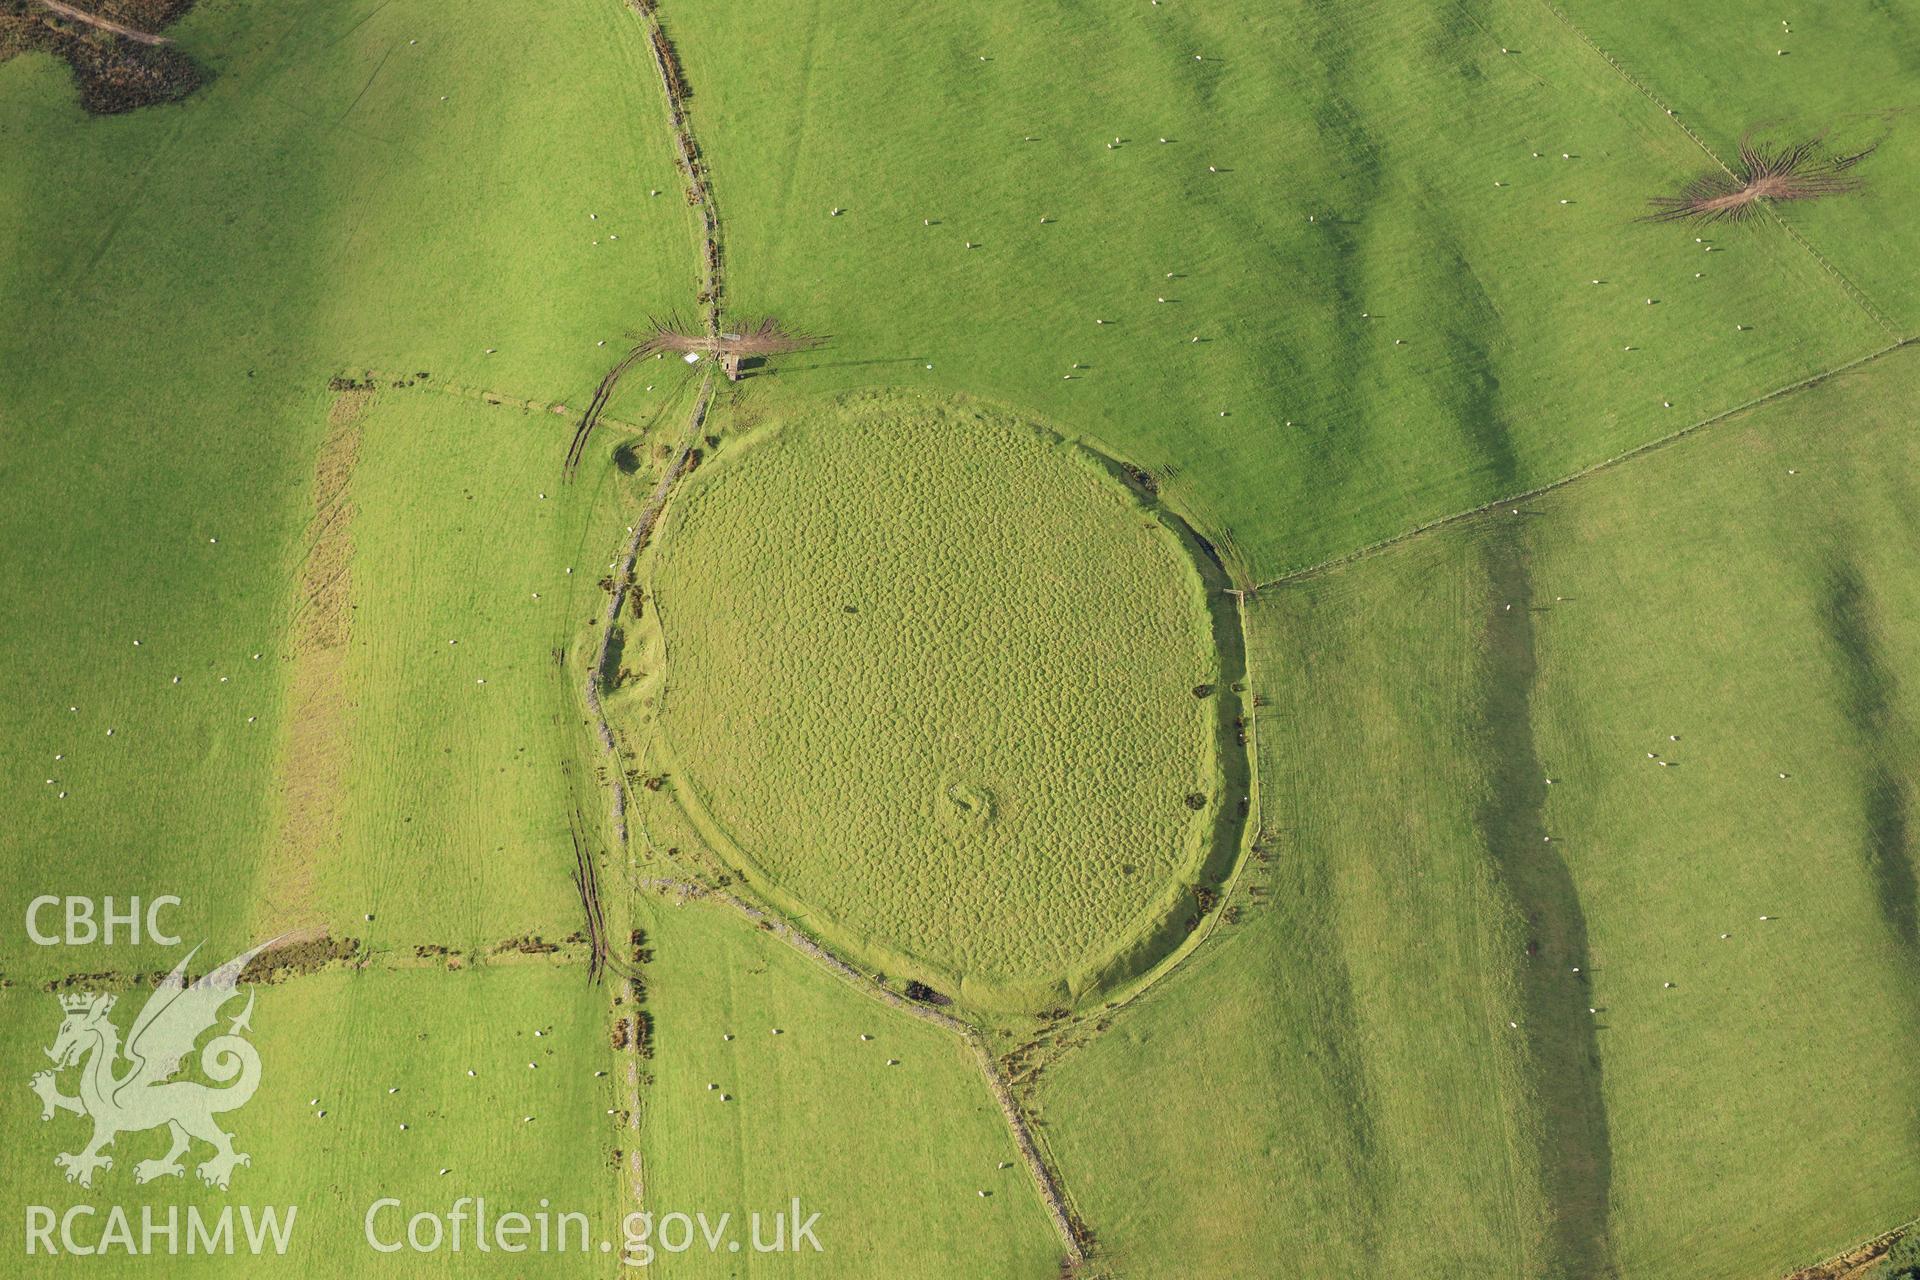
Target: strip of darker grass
[(1562, 1045), (1868, 682)]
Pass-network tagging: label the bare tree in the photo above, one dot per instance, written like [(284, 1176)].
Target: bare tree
[(1800, 171)]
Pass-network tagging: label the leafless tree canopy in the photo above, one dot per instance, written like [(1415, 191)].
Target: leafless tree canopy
[(1800, 171), (764, 338)]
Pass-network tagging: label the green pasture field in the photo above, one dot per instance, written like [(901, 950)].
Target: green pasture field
[(892, 1157), (1387, 124), (1581, 936), (178, 287), (946, 686), (1391, 1064), (465, 752), (308, 210), (1843, 73), (345, 1040)]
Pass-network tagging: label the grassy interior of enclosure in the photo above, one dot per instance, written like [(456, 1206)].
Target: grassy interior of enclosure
[(1383, 230), (1739, 606), (338, 1043), (892, 1157), (1844, 73), (947, 685)]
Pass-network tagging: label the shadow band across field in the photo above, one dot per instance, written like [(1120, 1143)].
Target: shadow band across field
[(1886, 808), (1562, 1049)]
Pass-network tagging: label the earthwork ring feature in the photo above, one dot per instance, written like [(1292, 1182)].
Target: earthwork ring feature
[(950, 692)]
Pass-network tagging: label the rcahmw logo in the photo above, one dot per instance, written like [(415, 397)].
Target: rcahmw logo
[(132, 1089), (161, 1230)]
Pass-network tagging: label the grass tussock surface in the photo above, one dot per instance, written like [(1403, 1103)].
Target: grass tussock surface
[(945, 682)]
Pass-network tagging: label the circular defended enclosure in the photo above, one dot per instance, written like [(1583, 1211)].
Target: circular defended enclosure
[(945, 689)]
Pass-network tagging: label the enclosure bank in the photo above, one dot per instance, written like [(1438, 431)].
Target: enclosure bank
[(85, 1230)]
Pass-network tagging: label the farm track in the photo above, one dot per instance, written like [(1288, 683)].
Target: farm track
[(586, 881), (673, 87), (104, 24), (586, 876), (595, 407)]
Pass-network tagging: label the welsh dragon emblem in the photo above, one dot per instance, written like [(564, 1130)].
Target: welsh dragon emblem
[(126, 1090)]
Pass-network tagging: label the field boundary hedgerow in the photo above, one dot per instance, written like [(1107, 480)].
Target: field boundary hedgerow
[(388, 381), (304, 953), (1639, 450), (1046, 1179), (1857, 1260), (1853, 290), (700, 194), (622, 584), (673, 85)]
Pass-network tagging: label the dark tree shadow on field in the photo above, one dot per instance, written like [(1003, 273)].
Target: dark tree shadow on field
[(1887, 850), (1563, 1055)]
